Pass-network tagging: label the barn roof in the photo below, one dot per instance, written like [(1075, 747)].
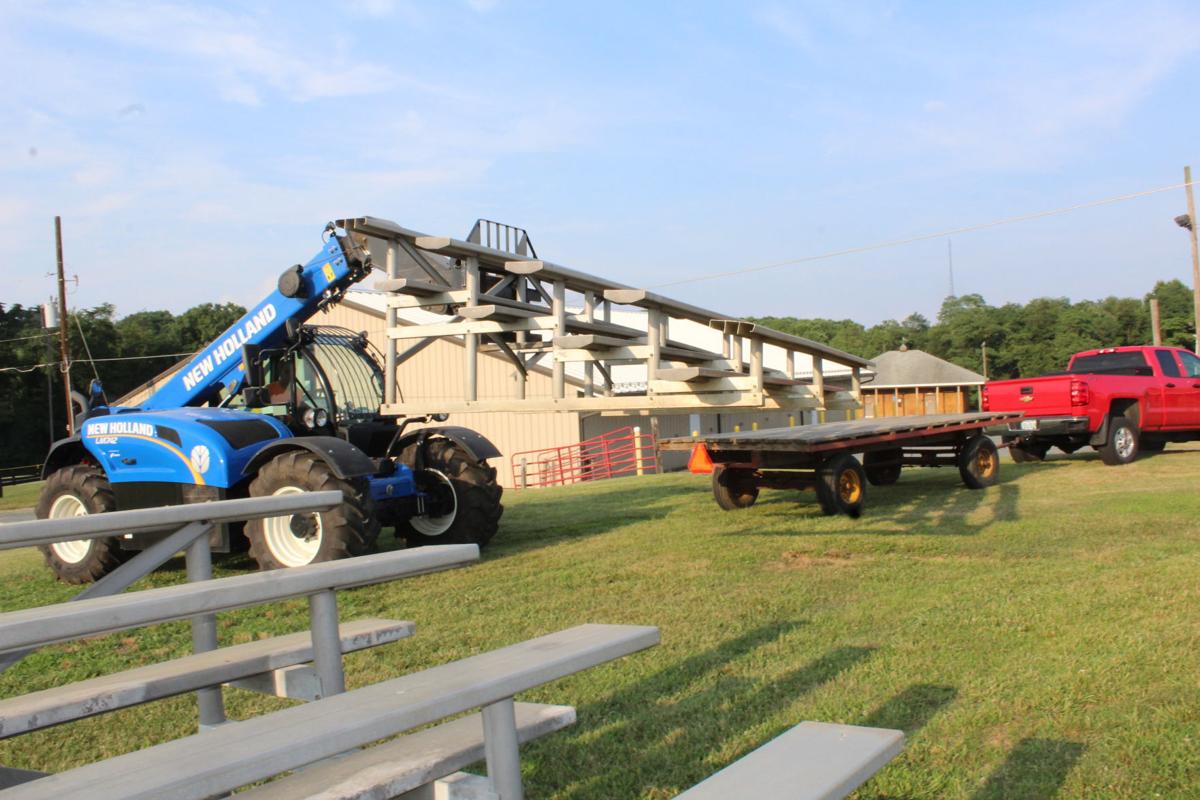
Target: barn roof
[(917, 368)]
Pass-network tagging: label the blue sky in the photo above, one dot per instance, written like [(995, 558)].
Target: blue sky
[(195, 150)]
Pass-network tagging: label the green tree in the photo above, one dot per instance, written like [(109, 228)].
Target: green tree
[(202, 324), (1176, 312)]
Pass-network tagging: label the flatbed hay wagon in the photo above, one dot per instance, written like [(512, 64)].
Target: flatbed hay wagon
[(823, 457)]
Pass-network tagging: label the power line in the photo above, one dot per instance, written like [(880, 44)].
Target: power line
[(26, 338), (32, 367), (136, 358), (925, 236)]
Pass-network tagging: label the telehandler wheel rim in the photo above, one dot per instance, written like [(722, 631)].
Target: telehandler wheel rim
[(985, 463), (76, 550), (428, 525), (849, 487), (294, 539)]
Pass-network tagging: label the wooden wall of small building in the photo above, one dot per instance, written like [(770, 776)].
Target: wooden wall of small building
[(911, 401)]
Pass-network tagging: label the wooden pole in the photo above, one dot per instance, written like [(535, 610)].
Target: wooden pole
[(756, 365), (472, 339), (1191, 205), (389, 389), (559, 310), (589, 370), (654, 340), (1155, 322), (818, 374), (519, 379), (63, 347)]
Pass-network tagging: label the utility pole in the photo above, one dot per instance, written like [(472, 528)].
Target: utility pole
[(1191, 203), (64, 349), (1155, 322), (985, 370)]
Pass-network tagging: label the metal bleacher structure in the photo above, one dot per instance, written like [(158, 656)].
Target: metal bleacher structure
[(322, 749), (319, 741), (496, 294)]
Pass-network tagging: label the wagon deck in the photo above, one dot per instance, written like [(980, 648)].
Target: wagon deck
[(821, 457), (849, 435)]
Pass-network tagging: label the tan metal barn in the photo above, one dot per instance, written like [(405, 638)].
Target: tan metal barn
[(435, 373)]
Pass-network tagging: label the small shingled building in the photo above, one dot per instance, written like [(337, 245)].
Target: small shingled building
[(912, 383)]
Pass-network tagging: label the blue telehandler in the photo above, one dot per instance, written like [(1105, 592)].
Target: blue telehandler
[(274, 406)]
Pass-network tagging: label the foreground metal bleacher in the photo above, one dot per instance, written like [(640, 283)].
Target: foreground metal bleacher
[(224, 757), (325, 743)]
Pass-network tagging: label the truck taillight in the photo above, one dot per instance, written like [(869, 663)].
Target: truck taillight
[(1080, 396), (984, 405)]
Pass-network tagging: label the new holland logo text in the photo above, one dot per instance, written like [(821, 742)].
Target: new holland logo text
[(107, 432), (227, 347)]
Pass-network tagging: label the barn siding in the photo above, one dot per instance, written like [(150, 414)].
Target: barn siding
[(436, 373)]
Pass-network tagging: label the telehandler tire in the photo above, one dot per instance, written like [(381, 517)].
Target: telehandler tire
[(348, 529), (465, 494), (76, 491)]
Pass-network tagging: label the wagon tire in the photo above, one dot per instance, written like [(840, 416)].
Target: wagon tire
[(1028, 453), (79, 490), (979, 463), (348, 529), (841, 486), (733, 488), (882, 466)]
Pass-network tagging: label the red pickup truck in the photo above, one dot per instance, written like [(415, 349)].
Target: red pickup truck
[(1119, 400)]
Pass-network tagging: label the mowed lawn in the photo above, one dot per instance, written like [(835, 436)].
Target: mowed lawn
[(1038, 639)]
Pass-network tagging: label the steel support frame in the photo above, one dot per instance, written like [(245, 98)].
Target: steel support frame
[(501, 749)]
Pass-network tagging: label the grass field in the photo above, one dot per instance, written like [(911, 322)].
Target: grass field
[(21, 496), (1038, 639)]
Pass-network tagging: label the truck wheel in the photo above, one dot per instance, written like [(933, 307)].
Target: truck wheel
[(464, 499), (733, 488), (979, 463), (294, 540), (1122, 444), (1027, 453), (76, 491), (841, 486), (882, 466)]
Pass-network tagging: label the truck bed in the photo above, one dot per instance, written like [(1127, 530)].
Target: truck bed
[(849, 435)]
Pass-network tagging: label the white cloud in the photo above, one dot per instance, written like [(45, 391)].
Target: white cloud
[(242, 55)]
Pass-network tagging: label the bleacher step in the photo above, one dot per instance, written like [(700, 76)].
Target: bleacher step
[(132, 687), (404, 764)]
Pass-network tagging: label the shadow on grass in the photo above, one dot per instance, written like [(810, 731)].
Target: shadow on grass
[(666, 732), (1035, 770), (912, 709), (937, 507)]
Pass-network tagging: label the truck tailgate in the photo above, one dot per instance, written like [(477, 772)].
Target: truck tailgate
[(1046, 396)]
